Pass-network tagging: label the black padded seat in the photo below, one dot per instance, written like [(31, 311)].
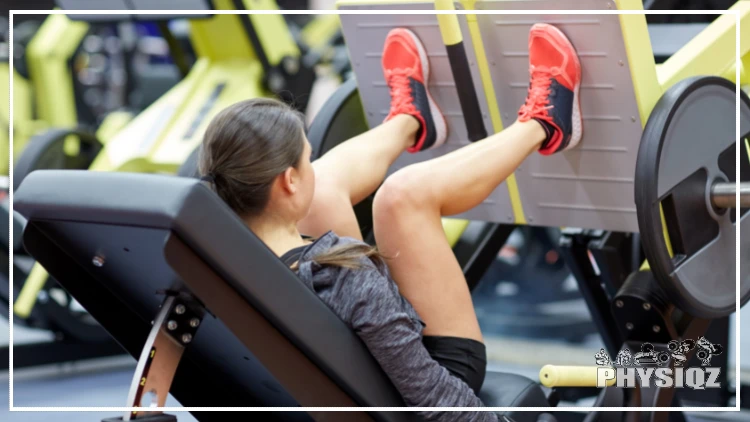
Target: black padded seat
[(266, 340), (510, 390)]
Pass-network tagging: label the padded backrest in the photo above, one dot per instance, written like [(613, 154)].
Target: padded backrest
[(63, 203)]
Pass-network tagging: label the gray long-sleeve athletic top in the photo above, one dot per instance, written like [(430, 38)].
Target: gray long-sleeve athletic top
[(369, 302)]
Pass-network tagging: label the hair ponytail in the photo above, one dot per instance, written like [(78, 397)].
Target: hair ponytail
[(350, 256)]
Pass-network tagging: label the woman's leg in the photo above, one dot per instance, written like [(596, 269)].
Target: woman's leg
[(354, 169), (409, 206), (351, 172), (408, 211)]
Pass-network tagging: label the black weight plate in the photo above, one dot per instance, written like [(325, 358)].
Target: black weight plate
[(684, 150)]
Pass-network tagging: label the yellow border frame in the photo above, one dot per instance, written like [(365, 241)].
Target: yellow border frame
[(712, 52), (492, 104)]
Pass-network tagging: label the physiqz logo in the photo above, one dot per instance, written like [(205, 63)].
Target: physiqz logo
[(651, 367)]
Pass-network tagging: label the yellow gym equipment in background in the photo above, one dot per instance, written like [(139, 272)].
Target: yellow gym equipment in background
[(160, 139), (43, 95)]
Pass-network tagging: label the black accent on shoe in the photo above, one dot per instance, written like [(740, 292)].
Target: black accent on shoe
[(549, 129), (561, 99), (422, 103)]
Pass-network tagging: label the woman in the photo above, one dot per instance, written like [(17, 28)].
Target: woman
[(408, 300)]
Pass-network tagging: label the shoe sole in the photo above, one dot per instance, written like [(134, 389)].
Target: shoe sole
[(441, 128), (577, 131)]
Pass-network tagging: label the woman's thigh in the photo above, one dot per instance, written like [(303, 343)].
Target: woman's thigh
[(410, 235), (331, 209)]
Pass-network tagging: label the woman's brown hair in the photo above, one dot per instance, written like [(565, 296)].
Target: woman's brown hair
[(248, 145)]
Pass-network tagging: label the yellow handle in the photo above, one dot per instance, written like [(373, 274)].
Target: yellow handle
[(449, 27), (27, 297), (576, 376)]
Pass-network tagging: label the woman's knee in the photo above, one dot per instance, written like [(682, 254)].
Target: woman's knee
[(401, 192)]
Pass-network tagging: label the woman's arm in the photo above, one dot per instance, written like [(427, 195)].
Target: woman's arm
[(395, 341)]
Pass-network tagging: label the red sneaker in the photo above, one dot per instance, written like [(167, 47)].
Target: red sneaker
[(406, 71), (553, 93)]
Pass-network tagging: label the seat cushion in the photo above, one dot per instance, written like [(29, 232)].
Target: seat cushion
[(510, 390)]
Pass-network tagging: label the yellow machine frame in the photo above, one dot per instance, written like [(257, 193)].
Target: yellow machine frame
[(48, 55), (4, 118), (24, 124), (47, 99)]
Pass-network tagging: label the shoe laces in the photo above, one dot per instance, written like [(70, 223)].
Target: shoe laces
[(537, 100), (400, 89)]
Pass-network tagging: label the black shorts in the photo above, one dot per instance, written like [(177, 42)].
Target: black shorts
[(464, 358)]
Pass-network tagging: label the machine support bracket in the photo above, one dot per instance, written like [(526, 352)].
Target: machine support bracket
[(173, 330)]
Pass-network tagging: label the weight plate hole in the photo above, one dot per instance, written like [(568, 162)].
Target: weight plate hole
[(690, 224), (669, 209)]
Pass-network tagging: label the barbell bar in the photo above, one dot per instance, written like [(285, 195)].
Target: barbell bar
[(724, 195)]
